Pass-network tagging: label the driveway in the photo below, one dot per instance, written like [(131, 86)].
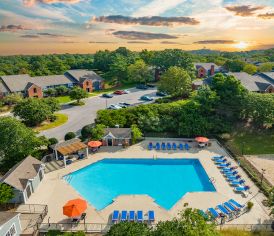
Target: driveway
[(79, 116)]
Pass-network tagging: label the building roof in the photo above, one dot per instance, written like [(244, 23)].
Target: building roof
[(207, 66), (268, 76), (69, 146), (5, 216), (3, 88), (19, 174), (80, 75), (16, 83), (118, 132), (253, 83), (50, 80)]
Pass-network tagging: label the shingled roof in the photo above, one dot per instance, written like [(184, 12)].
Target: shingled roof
[(6, 216), (207, 66), (120, 133), (19, 175), (80, 75), (16, 83)]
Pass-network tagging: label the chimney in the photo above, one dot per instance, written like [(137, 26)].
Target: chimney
[(212, 70)]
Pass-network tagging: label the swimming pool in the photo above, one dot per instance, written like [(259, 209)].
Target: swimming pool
[(165, 180)]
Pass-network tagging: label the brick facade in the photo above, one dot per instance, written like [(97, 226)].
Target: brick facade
[(34, 91), (201, 72), (270, 89), (87, 85), (116, 142)]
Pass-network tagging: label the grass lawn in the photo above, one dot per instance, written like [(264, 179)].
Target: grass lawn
[(252, 142), (236, 232), (60, 120), (63, 99)]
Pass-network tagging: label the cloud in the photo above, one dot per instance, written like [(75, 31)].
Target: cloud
[(244, 10), (266, 16), (171, 42), (101, 42), (216, 41), (157, 7), (137, 35), (32, 2), (11, 28), (53, 35), (138, 42), (146, 20), (30, 36)]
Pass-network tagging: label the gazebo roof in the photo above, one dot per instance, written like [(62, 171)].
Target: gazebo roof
[(69, 147)]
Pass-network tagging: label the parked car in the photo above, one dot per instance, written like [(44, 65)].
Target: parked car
[(119, 92), (114, 107), (123, 104), (151, 85), (107, 95), (141, 86), (146, 98), (126, 91), (161, 94)]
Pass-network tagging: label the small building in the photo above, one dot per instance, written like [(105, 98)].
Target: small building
[(10, 224), (206, 69), (87, 79), (24, 178), (260, 83), (117, 136)]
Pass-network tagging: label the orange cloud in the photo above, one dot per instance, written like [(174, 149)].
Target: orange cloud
[(267, 16), (244, 10), (32, 2)]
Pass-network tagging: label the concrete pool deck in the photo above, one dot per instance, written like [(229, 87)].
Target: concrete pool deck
[(54, 191)]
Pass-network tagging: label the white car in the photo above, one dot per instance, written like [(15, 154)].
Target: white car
[(126, 91), (114, 107)]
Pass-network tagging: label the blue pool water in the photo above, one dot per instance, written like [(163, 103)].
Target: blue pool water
[(165, 180)]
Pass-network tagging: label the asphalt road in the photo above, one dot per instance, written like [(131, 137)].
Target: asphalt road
[(79, 116)]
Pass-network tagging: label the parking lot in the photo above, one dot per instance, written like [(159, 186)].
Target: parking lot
[(80, 116)]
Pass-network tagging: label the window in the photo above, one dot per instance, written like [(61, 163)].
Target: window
[(35, 90), (12, 231), (87, 83)]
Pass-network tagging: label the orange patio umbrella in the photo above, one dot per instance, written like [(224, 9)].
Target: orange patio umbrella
[(94, 144), (74, 207), (202, 139)]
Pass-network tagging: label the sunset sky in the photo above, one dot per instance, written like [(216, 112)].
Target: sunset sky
[(85, 26)]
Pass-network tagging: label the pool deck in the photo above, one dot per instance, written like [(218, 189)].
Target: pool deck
[(55, 191)]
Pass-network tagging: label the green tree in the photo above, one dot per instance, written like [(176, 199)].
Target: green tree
[(33, 111), (190, 223), (129, 229), (266, 67), (102, 60), (69, 135), (118, 69), (61, 90), (52, 103), (86, 131), (51, 92), (136, 133), (250, 69), (97, 132), (234, 65), (52, 141), (175, 81), (6, 193), (12, 99), (16, 142), (139, 72), (78, 93)]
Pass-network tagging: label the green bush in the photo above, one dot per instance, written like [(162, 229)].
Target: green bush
[(250, 205), (52, 141), (70, 135), (86, 131)]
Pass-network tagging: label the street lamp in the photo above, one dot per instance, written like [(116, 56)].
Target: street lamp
[(106, 103), (262, 176)]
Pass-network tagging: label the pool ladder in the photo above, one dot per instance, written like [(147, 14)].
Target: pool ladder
[(68, 178)]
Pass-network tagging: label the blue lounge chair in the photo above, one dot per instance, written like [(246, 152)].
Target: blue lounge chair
[(187, 147), (236, 183), (163, 146), (203, 214), (181, 146), (230, 207), (218, 158), (140, 216), (157, 146), (236, 204), (124, 216), (223, 165), (227, 169), (233, 178), (213, 213), (230, 173), (223, 210), (220, 161), (150, 146), (115, 216), (168, 146), (241, 188), (174, 146), (151, 217), (131, 216)]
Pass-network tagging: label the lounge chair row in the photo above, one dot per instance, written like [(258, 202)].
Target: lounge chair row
[(231, 174), (132, 216), (229, 209), (168, 146)]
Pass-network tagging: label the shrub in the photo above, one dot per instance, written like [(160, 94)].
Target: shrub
[(250, 205), (6, 193), (86, 131), (52, 141), (70, 135)]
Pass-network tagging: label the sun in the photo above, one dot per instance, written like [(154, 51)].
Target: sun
[(241, 45)]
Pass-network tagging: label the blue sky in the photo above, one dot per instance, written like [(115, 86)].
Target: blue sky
[(82, 26)]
